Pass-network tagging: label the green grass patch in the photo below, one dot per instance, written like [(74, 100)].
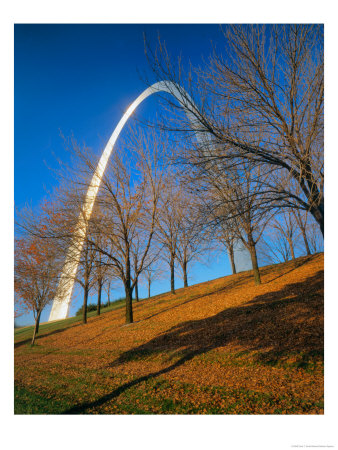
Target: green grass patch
[(28, 402), (26, 333), (159, 396)]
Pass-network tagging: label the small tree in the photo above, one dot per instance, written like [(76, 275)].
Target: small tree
[(280, 239), (85, 276), (36, 276), (302, 222), (225, 233), (234, 200), (285, 226), (100, 264), (109, 279), (316, 241), (152, 273), (227, 238), (128, 202), (192, 234), (169, 223)]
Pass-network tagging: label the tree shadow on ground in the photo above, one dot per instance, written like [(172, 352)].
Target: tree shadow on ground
[(241, 278), (273, 324)]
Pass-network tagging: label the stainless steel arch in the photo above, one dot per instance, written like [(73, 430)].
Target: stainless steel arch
[(62, 300)]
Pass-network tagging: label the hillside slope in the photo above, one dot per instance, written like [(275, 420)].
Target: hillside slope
[(225, 346)]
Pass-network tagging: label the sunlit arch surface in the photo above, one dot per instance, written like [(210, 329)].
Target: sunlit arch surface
[(62, 299)]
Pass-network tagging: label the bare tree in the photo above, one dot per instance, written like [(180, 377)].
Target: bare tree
[(152, 273), (128, 201), (261, 102), (62, 213), (193, 237), (226, 234), (153, 269), (302, 221), (150, 261), (234, 199), (314, 238), (281, 237), (136, 251), (108, 283), (101, 262), (99, 281), (86, 275), (286, 226), (169, 223)]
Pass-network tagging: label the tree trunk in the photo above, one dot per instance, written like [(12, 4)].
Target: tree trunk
[(129, 302), (38, 324), (85, 300), (99, 297), (172, 274), (291, 249), (232, 258), (149, 283), (129, 293), (36, 328), (318, 214), (109, 296), (306, 242), (136, 291), (253, 254), (185, 274)]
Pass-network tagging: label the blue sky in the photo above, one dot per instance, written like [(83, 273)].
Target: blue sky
[(79, 79)]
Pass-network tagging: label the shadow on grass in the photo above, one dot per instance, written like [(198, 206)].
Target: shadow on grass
[(275, 324), (241, 278), (106, 398)]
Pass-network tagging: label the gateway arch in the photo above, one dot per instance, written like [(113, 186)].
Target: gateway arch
[(62, 299)]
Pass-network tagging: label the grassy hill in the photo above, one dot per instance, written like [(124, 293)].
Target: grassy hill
[(24, 334), (220, 347)]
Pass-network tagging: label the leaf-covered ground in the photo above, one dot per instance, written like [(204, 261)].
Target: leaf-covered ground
[(221, 347)]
